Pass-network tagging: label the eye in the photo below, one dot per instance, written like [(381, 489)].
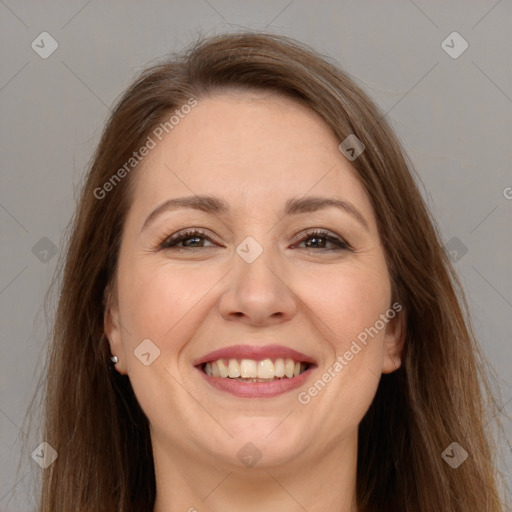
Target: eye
[(316, 239), (193, 239), (319, 239)]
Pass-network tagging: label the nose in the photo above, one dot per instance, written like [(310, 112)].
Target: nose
[(258, 293)]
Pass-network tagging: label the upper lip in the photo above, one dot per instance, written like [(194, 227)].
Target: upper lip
[(255, 352)]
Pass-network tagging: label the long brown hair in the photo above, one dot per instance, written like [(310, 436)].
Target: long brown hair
[(440, 394)]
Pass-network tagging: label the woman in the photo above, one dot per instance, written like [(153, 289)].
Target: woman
[(256, 311)]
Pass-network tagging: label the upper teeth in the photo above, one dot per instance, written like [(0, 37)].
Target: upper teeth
[(252, 369)]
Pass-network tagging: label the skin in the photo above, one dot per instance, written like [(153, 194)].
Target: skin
[(254, 151)]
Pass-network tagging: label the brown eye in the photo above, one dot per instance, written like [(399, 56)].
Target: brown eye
[(319, 239), (193, 239)]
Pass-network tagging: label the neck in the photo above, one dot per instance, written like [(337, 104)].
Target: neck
[(316, 483)]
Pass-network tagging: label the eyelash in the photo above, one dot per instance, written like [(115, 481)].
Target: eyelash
[(171, 242)]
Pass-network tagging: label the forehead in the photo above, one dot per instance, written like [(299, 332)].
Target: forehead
[(247, 145)]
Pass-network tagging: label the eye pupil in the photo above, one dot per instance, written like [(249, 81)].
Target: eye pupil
[(195, 238), (314, 241)]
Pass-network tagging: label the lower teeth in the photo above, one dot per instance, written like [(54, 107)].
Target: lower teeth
[(243, 379)]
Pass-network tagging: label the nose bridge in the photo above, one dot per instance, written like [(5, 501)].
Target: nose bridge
[(257, 292), (256, 263)]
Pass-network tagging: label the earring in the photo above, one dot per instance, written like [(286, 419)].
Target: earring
[(114, 359)]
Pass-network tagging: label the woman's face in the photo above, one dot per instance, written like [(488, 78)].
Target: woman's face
[(278, 281)]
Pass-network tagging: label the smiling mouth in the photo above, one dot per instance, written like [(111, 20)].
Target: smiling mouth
[(253, 371)]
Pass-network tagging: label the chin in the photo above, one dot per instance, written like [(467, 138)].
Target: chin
[(262, 442)]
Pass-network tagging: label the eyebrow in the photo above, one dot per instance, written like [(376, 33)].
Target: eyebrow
[(214, 205)]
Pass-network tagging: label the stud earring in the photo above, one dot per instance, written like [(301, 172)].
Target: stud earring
[(114, 359)]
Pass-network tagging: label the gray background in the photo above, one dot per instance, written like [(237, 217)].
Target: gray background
[(453, 115)]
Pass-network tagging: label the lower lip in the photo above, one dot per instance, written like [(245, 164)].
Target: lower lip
[(256, 389)]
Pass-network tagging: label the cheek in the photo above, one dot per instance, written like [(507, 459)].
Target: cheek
[(165, 305), (346, 301), (349, 305), (157, 298)]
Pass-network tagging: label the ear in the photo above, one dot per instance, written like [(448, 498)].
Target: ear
[(394, 341), (112, 326)]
